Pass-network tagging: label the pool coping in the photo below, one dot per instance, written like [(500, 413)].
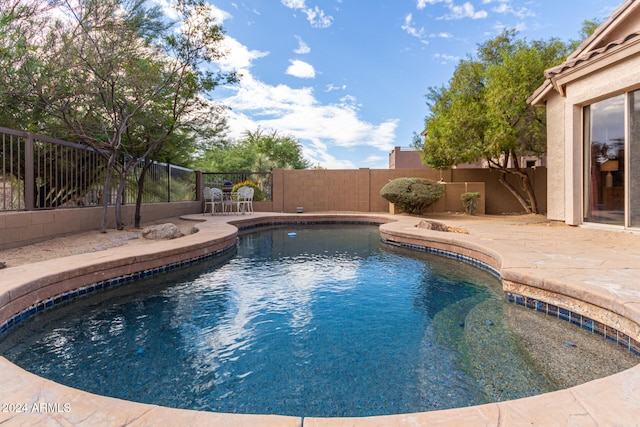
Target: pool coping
[(610, 400)]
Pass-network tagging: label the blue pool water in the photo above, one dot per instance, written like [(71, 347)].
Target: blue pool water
[(300, 321)]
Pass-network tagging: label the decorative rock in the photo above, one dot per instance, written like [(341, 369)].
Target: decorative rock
[(438, 226), (162, 231), (432, 225)]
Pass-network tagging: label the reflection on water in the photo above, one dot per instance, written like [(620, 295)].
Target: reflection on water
[(327, 323)]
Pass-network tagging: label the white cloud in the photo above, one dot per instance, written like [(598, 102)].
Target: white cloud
[(423, 3), (238, 57), (441, 35), (466, 10), (218, 15), (376, 159), (298, 112), (319, 127), (505, 7), (500, 27), (301, 69), (294, 4), (446, 58), (303, 48), (331, 87), (410, 28), (316, 16)]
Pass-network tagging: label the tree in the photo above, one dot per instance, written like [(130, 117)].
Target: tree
[(457, 122), (483, 114), (123, 80), (20, 23), (258, 151), (589, 27)]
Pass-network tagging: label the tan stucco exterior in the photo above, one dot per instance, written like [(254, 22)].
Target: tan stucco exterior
[(605, 65)]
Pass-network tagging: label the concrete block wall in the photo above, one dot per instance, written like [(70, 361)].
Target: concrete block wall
[(313, 190), (23, 228), (359, 190)]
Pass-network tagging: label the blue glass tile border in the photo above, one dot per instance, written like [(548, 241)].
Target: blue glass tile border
[(577, 319), (533, 304), (105, 284), (447, 254)]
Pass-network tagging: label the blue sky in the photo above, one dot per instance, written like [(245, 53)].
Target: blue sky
[(348, 78)]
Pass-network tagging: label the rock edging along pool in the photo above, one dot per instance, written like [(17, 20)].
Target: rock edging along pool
[(557, 406)]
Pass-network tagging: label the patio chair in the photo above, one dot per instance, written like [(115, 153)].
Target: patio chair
[(213, 197), (244, 199)]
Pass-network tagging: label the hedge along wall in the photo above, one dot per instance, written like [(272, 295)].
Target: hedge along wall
[(359, 190)]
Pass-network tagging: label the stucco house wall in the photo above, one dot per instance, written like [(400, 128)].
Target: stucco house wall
[(605, 65)]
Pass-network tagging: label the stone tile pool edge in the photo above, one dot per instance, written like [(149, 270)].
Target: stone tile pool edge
[(612, 400)]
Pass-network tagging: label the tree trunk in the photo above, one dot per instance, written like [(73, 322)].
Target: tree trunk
[(531, 194), (105, 202), (119, 199), (106, 194), (530, 206), (143, 174)]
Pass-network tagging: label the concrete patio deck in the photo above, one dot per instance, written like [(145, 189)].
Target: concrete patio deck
[(592, 272)]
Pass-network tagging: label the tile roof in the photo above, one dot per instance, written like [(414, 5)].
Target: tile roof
[(587, 56)]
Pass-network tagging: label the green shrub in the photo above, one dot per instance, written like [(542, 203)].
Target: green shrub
[(412, 195), (470, 202), (258, 195)]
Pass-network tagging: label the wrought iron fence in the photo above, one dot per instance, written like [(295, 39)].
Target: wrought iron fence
[(262, 180), (39, 172)]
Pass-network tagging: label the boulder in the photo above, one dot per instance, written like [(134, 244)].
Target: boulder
[(432, 225), (161, 231), (438, 226)]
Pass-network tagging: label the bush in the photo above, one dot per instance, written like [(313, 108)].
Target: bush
[(412, 195), (258, 195), (470, 202)]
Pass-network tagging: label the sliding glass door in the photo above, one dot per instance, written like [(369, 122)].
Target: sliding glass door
[(604, 161), (612, 161)]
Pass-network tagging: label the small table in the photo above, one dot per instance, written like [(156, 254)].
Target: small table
[(228, 199)]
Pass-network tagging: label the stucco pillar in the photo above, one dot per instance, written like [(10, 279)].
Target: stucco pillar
[(277, 188)]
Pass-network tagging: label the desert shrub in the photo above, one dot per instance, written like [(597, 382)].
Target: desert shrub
[(412, 195), (470, 202)]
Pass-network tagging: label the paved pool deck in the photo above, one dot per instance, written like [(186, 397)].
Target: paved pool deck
[(594, 272)]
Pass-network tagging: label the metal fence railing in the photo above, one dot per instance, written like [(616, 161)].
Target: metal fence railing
[(39, 172)]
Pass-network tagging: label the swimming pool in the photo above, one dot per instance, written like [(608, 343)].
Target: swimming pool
[(328, 322)]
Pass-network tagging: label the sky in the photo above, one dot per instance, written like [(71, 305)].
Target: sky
[(348, 78)]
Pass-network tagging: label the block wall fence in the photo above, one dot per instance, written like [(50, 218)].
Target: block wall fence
[(313, 190), (359, 190)]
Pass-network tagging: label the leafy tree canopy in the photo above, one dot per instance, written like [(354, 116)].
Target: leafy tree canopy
[(258, 151), (482, 113)]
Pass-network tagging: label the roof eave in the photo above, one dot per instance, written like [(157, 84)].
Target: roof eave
[(539, 97)]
